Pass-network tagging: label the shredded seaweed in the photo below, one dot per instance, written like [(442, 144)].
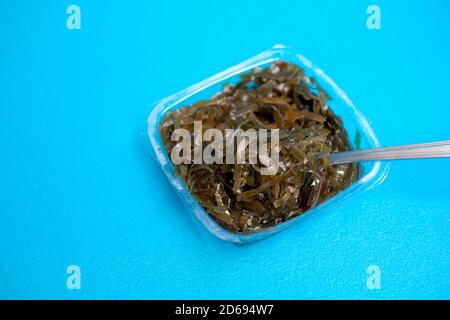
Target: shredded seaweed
[(280, 96)]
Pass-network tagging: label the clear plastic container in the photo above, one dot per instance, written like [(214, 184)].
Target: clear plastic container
[(355, 123)]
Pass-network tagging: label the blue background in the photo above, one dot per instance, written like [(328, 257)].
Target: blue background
[(78, 185)]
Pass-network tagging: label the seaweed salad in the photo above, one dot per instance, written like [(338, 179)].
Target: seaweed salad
[(279, 96)]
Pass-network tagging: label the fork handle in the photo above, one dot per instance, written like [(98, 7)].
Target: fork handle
[(440, 149)]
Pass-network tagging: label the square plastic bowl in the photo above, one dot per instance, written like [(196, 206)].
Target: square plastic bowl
[(357, 126)]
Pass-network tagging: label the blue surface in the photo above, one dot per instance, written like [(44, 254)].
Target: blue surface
[(78, 186)]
